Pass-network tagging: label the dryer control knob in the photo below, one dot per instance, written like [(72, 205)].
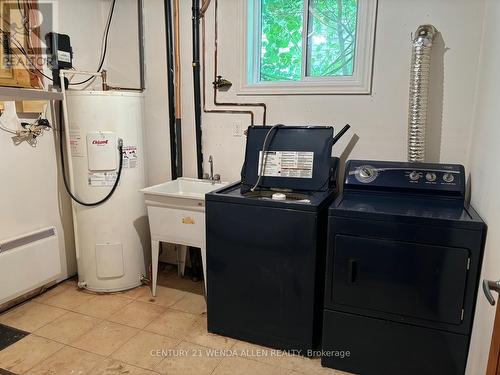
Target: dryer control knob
[(414, 176), (448, 177), (430, 176), (366, 174)]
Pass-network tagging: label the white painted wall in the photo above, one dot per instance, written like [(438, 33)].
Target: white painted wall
[(379, 119), (484, 159), (31, 194), (123, 52)]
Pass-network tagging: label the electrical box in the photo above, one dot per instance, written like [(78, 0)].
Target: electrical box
[(60, 51), (102, 151), (60, 55)]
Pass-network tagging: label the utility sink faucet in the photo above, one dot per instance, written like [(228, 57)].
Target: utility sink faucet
[(214, 178)]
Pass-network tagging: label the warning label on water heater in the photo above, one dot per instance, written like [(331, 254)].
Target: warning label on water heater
[(130, 156), (101, 179), (297, 164)]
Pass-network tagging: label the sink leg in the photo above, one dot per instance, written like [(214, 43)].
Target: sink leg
[(155, 251), (181, 259), (204, 262)]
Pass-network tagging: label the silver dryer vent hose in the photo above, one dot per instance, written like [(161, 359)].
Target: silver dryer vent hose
[(419, 91)]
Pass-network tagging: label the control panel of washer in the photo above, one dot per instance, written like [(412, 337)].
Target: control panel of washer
[(399, 176)]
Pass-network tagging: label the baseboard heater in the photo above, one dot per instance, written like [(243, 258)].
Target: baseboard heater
[(28, 263)]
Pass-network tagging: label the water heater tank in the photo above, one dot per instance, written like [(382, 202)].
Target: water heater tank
[(112, 239)]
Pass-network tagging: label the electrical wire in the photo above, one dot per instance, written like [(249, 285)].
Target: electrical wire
[(264, 155), (24, 52), (63, 167), (5, 128), (104, 47)]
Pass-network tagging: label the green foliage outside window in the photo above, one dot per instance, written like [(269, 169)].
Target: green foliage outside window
[(331, 39)]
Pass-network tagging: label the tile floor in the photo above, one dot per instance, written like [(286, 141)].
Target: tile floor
[(77, 332)]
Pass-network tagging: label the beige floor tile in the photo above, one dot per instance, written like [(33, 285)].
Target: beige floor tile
[(72, 282), (279, 358), (114, 367), (172, 280), (70, 299), (26, 353), (145, 349), (173, 323), (105, 338), (68, 327), (189, 358), (102, 306), (30, 316), (164, 296), (55, 290), (137, 314), (133, 293), (260, 353), (199, 335), (303, 365), (244, 366), (68, 361), (191, 303)]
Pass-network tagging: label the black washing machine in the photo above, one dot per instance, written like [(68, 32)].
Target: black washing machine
[(266, 240), (403, 264)]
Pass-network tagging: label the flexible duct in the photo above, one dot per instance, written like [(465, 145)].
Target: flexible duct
[(419, 91)]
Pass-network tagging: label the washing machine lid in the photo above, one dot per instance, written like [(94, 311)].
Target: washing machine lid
[(297, 158)]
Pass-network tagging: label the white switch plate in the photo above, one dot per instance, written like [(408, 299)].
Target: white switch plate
[(237, 129)]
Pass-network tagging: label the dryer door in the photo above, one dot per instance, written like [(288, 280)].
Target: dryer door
[(404, 278)]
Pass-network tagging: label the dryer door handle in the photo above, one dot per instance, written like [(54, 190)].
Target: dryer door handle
[(352, 271), (489, 286)]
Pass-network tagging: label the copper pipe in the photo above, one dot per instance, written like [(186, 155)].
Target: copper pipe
[(216, 44), (204, 82), (206, 3), (204, 7)]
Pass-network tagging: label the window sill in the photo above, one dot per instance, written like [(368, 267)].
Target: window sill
[(304, 88)]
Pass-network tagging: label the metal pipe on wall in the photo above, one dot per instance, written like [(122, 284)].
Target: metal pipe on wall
[(204, 8), (419, 91), (174, 154), (227, 111), (216, 58), (177, 72), (197, 84), (140, 33)]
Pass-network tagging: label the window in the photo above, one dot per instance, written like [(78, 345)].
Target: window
[(334, 55)]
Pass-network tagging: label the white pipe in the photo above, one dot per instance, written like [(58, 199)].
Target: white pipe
[(69, 157)]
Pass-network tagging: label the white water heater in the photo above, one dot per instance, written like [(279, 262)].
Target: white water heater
[(112, 239)]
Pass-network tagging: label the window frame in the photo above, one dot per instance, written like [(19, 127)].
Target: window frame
[(359, 83)]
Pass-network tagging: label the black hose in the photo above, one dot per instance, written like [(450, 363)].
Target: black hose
[(63, 167)]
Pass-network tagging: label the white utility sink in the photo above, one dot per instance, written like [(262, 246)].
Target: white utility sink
[(176, 211), (184, 188)]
